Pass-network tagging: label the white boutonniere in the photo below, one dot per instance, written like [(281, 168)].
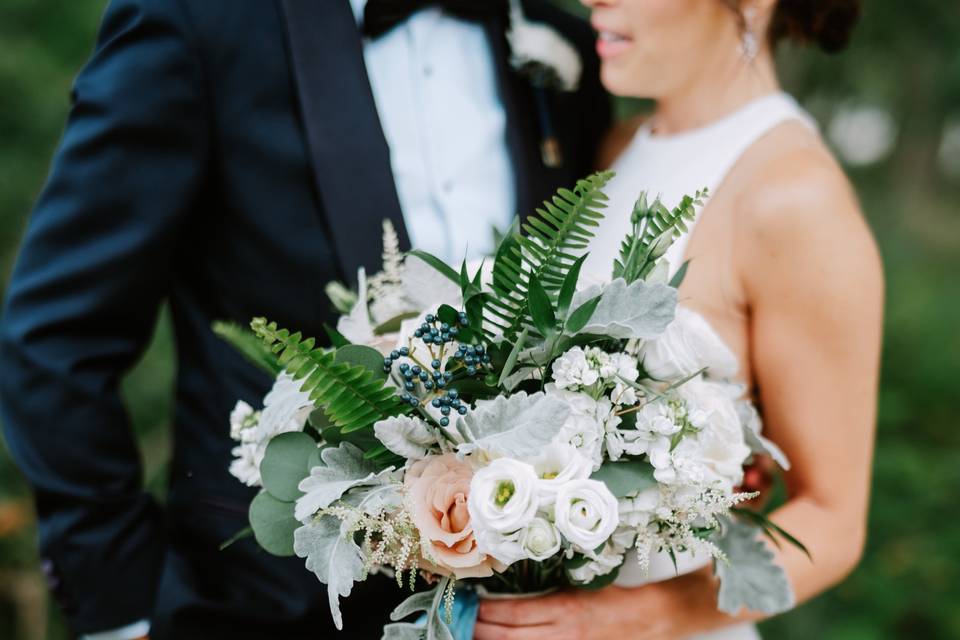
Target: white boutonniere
[(541, 54)]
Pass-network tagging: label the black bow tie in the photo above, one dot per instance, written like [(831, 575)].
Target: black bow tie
[(380, 16)]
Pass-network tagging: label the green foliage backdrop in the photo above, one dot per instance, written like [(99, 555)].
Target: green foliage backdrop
[(905, 60)]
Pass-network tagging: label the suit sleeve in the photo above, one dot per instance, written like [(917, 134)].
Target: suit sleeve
[(93, 270)]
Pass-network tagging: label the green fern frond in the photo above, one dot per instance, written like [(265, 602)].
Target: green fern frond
[(552, 240), (653, 229), (249, 345), (352, 397)]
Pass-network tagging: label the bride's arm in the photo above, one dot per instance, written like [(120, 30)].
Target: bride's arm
[(813, 280)]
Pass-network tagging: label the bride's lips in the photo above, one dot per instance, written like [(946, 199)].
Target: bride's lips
[(610, 43)]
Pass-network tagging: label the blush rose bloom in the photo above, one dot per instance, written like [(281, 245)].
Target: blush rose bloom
[(437, 491)]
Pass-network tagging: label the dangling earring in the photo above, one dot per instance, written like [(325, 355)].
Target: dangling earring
[(749, 44)]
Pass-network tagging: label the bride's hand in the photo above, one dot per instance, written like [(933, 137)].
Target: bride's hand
[(651, 612)]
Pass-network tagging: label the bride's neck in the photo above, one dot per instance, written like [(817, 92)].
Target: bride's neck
[(715, 93)]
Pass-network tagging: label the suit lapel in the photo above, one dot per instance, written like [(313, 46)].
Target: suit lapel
[(350, 156), (534, 181)]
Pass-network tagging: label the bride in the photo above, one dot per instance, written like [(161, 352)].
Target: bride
[(781, 265)]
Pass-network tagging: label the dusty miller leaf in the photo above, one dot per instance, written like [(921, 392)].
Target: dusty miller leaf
[(344, 468), (517, 425), (406, 436), (428, 602), (750, 578), (637, 310), (333, 556)]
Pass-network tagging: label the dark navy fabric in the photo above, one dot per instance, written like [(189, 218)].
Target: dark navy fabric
[(224, 158)]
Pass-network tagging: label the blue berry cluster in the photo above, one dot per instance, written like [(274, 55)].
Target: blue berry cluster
[(472, 359), (448, 403)]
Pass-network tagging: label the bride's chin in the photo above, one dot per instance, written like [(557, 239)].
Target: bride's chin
[(617, 81)]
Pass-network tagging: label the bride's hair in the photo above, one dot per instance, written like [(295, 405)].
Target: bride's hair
[(826, 23)]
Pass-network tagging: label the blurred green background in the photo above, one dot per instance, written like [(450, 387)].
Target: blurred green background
[(890, 107)]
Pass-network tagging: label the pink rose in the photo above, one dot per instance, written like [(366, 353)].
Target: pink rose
[(437, 491)]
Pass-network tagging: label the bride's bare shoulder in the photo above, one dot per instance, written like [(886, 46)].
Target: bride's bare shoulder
[(797, 206), (616, 140)]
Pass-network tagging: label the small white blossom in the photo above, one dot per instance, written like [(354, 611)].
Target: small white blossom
[(242, 418), (609, 558), (540, 539)]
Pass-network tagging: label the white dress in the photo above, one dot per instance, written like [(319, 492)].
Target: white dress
[(671, 167)]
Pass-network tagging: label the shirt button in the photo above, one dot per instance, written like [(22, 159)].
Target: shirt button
[(427, 70), (447, 186)]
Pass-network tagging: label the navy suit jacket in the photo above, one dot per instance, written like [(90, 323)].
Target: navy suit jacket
[(225, 158)]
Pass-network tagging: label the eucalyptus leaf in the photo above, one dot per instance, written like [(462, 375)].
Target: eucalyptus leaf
[(273, 524), (286, 463), (519, 425), (333, 556), (344, 467), (626, 477), (750, 578), (637, 310), (364, 356)]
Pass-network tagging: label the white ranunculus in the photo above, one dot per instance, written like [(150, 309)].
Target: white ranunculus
[(557, 464), (688, 345), (586, 513), (503, 496), (408, 437), (540, 539), (600, 564)]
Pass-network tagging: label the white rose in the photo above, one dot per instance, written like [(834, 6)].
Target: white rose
[(586, 513), (688, 345), (540, 539), (503, 496), (559, 463)]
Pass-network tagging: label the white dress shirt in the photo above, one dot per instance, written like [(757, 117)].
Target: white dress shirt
[(435, 86), (434, 82)]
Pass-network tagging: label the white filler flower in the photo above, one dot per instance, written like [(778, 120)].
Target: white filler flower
[(586, 513)]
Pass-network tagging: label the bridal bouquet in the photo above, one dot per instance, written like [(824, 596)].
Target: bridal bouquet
[(504, 429)]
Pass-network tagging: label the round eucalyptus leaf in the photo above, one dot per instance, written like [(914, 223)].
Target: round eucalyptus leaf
[(626, 477), (364, 356), (285, 464), (273, 524)]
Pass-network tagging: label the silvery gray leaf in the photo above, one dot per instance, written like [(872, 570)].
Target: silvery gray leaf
[(374, 499), (344, 468), (637, 310), (333, 556), (406, 436), (752, 432), (518, 425), (428, 602), (750, 578)]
